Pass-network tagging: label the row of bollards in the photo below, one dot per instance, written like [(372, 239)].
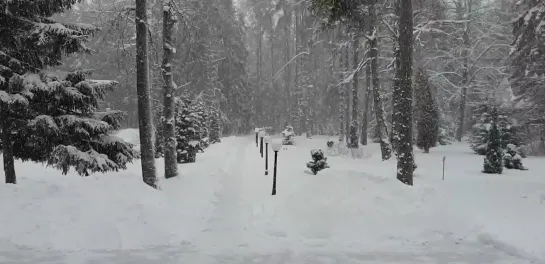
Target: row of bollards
[(276, 145)]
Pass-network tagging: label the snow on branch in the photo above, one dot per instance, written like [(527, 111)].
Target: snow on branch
[(45, 124), (90, 124), (84, 162)]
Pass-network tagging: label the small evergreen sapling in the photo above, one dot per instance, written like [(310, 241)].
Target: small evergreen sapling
[(493, 161), (318, 162)]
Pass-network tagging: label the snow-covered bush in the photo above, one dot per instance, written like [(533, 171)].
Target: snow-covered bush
[(443, 137), (288, 135), (330, 143), (319, 161), (512, 159)]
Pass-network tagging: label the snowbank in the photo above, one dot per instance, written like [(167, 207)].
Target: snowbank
[(504, 211), (49, 211), (352, 206)]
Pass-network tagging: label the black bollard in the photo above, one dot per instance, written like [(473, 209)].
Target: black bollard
[(256, 144), (261, 148), (274, 173), (266, 158)]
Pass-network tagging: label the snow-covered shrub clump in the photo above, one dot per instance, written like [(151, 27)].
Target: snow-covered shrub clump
[(319, 161), (512, 159)]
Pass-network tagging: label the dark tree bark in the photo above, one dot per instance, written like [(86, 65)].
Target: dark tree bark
[(394, 138), (169, 122), (342, 97), (405, 161), (385, 148), (354, 140), (347, 96), (465, 73), (365, 119), (144, 98), (7, 152)]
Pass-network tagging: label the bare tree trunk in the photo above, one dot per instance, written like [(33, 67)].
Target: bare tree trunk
[(405, 161), (169, 122), (386, 151), (144, 98), (7, 151), (354, 140), (342, 94), (347, 94), (463, 92), (394, 135), (463, 14), (365, 119)]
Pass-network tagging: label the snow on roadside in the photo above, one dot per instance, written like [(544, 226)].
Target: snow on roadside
[(505, 211), (114, 211), (351, 206), (50, 211)]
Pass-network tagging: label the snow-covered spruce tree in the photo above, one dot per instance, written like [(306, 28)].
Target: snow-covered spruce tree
[(528, 57), (215, 127), (509, 133), (57, 124), (493, 161), (190, 129), (427, 114), (29, 42)]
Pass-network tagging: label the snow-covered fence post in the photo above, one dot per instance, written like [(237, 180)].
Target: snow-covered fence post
[(267, 141), (256, 132), (261, 135), (276, 146), (444, 158)]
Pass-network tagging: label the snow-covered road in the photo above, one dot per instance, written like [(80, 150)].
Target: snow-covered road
[(342, 215)]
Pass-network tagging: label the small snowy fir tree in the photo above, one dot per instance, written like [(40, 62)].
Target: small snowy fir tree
[(318, 163), (493, 161), (215, 129), (509, 133), (427, 114), (512, 159)]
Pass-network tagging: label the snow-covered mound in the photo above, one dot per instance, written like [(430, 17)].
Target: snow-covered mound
[(346, 207), (46, 210)]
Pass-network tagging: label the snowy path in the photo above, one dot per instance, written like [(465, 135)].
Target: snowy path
[(313, 219)]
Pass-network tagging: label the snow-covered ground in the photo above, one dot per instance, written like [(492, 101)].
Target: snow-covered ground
[(220, 210)]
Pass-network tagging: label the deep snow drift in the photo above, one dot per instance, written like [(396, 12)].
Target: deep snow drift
[(220, 210)]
